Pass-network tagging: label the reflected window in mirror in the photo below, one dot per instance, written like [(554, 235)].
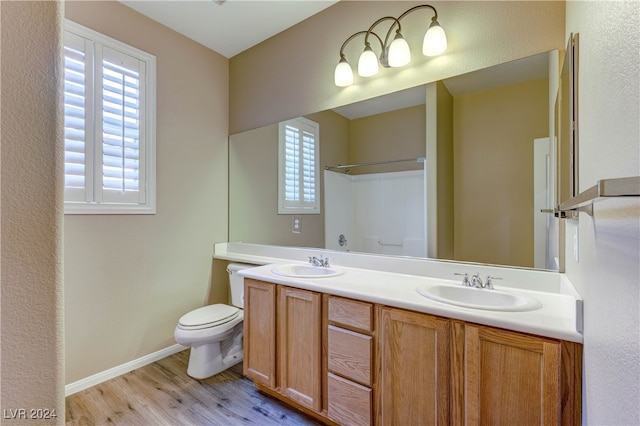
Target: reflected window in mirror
[(298, 167)]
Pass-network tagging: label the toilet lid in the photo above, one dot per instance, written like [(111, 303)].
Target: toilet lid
[(209, 316)]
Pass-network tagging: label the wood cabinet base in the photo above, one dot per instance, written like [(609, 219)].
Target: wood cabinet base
[(348, 362)]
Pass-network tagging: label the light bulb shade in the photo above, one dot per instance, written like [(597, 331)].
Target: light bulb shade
[(368, 63), (435, 40), (399, 52), (343, 75)]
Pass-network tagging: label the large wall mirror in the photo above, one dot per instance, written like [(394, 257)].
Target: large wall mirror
[(476, 198)]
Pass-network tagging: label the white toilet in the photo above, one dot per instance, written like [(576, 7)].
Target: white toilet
[(214, 332)]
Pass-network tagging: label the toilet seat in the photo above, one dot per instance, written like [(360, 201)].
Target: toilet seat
[(208, 316)]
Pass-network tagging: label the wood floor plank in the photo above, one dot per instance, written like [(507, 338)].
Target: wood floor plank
[(162, 393)]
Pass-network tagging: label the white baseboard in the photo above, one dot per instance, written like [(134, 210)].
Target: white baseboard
[(103, 376)]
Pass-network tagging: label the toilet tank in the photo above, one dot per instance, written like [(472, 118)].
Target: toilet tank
[(236, 283)]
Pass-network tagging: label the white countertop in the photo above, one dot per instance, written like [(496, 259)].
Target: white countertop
[(560, 316)]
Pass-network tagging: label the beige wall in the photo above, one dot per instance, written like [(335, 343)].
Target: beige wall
[(334, 136), (394, 135), (480, 34), (493, 135), (607, 273), (31, 211), (128, 278)]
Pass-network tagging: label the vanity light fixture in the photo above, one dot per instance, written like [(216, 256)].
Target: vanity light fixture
[(394, 54)]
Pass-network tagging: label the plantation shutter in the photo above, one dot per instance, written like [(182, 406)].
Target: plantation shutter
[(77, 120), (307, 162), (299, 167), (292, 164), (119, 126)]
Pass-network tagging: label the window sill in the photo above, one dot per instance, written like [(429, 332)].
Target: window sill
[(103, 208)]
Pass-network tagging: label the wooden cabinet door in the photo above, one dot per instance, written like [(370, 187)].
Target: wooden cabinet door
[(413, 386), (299, 326), (510, 378), (260, 332)]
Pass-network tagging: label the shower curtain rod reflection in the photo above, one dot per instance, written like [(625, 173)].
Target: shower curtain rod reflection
[(374, 163)]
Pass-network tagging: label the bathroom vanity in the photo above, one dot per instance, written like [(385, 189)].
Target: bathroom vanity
[(363, 347)]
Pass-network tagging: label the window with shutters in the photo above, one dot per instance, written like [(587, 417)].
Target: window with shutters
[(299, 159), (109, 116)]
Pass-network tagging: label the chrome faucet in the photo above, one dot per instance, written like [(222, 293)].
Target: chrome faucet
[(476, 281), (319, 261)]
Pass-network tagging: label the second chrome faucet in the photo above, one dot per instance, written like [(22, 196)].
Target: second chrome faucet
[(319, 261)]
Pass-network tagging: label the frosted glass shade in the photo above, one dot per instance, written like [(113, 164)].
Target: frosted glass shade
[(435, 40), (368, 63), (343, 75), (399, 52)]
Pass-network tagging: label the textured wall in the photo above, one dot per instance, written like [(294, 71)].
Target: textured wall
[(607, 273), (31, 324), (129, 278)]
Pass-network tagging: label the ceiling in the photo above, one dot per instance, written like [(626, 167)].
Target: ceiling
[(233, 26)]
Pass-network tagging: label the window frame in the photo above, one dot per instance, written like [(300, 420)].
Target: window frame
[(300, 207), (91, 201)]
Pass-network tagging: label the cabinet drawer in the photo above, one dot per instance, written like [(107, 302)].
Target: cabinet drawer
[(349, 354), (349, 402), (351, 313)]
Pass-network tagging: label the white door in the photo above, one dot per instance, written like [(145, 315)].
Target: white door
[(542, 181)]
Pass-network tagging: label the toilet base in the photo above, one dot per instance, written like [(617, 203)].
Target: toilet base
[(206, 361), (209, 359)]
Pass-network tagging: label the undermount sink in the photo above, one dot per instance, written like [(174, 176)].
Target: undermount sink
[(479, 298), (297, 270)]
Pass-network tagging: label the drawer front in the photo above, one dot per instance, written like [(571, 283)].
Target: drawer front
[(349, 354), (349, 402), (351, 313)]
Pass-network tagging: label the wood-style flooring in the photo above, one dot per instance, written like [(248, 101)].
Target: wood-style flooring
[(163, 394)]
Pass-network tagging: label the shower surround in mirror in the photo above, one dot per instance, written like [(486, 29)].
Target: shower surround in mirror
[(381, 213)]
